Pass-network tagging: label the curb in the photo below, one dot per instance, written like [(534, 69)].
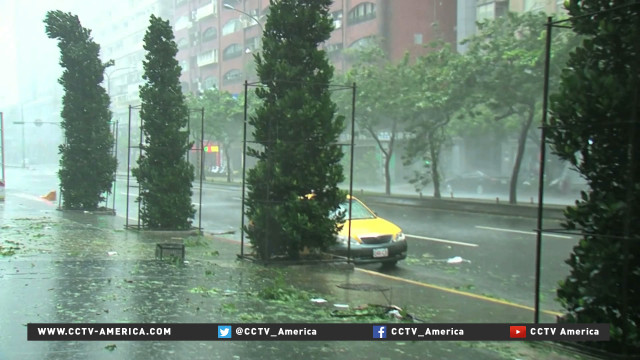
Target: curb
[(555, 212)]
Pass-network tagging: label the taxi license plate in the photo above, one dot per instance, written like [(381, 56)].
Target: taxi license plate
[(378, 253)]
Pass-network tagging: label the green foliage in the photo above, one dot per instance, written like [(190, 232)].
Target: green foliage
[(223, 117), (87, 165), (279, 290), (594, 126), (377, 112), (507, 56), (441, 86), (164, 175), (296, 132)]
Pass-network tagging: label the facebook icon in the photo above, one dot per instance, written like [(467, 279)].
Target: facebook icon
[(379, 332)]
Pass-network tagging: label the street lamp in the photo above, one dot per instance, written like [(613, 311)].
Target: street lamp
[(230, 7)]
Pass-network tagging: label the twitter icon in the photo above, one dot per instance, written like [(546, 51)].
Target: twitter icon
[(224, 332)]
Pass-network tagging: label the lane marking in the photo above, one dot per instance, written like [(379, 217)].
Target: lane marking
[(457, 292), (522, 232), (442, 240)]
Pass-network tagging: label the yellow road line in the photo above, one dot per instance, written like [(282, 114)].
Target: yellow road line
[(458, 292)]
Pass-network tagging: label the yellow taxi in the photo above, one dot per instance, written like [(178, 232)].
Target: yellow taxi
[(367, 238)]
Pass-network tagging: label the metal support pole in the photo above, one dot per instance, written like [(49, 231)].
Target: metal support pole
[(353, 132), (201, 170), (115, 154), (244, 167), (24, 154), (139, 185), (2, 142), (545, 107), (126, 219), (113, 149)]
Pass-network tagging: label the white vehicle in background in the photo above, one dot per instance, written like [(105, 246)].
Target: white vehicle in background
[(570, 180)]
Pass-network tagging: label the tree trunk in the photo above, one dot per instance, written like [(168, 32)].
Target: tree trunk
[(387, 176), (227, 158), (387, 153), (435, 176), (522, 140)]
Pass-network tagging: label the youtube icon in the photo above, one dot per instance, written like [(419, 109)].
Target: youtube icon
[(517, 332)]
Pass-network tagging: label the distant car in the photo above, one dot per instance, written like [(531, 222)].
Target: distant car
[(373, 239), (476, 182)]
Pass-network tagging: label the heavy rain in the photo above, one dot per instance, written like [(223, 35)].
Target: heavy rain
[(188, 161)]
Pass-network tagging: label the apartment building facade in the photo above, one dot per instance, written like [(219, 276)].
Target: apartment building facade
[(217, 39)]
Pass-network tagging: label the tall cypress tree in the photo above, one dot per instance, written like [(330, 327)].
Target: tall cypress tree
[(87, 165), (297, 130), (595, 126), (164, 174)]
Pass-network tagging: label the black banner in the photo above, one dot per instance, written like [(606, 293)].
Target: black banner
[(322, 332)]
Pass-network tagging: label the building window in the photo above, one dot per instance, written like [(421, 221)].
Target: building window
[(231, 26), (417, 39), (182, 43), (337, 19), (252, 44), (184, 64), (533, 5), (364, 42), (232, 51), (362, 12), (208, 57), (486, 11), (182, 23), (232, 77), (332, 49), (210, 82), (250, 21), (210, 34)]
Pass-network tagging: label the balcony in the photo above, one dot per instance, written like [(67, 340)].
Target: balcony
[(208, 57), (207, 10)]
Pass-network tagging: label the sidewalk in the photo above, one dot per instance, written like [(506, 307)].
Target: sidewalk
[(79, 267)]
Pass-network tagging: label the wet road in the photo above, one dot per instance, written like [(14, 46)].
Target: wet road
[(498, 252), (64, 273)]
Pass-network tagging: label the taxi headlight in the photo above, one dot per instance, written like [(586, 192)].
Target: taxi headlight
[(399, 236), (342, 239)]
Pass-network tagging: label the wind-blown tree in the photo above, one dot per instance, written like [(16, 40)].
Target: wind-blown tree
[(508, 56), (223, 117), (595, 126), (87, 165), (164, 175), (380, 115), (441, 85), (296, 131)]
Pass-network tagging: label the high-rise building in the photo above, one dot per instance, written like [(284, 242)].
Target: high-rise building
[(217, 38), (119, 29)]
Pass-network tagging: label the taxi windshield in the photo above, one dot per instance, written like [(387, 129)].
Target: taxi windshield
[(358, 211)]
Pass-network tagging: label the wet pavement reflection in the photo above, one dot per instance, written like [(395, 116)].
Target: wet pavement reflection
[(78, 267)]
